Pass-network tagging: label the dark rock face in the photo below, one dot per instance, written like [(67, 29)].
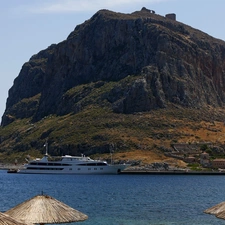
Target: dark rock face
[(174, 63)]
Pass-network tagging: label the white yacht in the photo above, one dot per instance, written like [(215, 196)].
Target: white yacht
[(71, 165)]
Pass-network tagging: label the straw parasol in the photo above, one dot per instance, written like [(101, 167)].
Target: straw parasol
[(45, 209), (217, 210), (8, 220)]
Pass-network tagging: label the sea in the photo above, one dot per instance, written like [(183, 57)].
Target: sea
[(123, 199)]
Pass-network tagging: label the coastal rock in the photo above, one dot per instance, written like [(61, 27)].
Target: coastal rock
[(171, 63)]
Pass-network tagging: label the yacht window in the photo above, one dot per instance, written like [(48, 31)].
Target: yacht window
[(101, 164), (43, 168)]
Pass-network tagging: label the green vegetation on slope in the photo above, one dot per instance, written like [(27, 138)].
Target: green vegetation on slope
[(96, 129)]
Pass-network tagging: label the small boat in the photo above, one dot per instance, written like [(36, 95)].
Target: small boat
[(71, 165)]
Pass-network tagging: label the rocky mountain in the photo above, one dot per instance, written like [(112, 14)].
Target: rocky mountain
[(177, 64), (127, 63)]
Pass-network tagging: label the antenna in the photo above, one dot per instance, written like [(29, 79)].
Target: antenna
[(46, 147)]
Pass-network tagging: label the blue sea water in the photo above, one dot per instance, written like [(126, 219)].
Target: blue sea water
[(123, 199)]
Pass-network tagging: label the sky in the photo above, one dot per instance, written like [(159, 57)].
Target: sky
[(29, 26)]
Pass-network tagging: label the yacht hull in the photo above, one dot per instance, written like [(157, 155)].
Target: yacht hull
[(109, 169)]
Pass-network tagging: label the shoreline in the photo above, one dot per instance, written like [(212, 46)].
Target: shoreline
[(171, 172)]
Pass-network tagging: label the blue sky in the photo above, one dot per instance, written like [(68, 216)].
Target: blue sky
[(29, 26)]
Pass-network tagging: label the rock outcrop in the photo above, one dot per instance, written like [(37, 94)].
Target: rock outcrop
[(171, 63)]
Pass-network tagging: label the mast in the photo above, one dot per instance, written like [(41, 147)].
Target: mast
[(46, 148), (45, 158)]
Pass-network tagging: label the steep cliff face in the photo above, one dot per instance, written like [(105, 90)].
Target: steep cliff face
[(172, 62)]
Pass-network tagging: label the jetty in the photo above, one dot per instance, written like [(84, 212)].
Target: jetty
[(171, 172)]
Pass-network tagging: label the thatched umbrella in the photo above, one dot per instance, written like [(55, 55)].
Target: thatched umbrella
[(45, 209), (8, 220), (216, 209)]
